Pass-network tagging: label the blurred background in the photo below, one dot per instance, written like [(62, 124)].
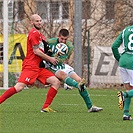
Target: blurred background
[(101, 22)]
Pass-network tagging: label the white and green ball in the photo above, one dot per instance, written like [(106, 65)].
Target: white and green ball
[(61, 49)]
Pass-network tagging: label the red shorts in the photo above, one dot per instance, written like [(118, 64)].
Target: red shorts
[(29, 76)]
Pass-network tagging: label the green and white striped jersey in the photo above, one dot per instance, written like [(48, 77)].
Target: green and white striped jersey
[(126, 39), (53, 42)]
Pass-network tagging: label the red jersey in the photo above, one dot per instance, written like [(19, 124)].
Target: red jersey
[(31, 60)]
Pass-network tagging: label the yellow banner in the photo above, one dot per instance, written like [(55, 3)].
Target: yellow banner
[(16, 52)]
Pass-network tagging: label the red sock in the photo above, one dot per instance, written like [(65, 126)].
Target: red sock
[(50, 96), (8, 93)]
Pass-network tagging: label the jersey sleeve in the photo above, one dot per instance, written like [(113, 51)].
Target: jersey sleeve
[(34, 38), (116, 45)]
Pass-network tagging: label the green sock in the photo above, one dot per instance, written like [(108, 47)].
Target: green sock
[(85, 95), (127, 106), (128, 94), (71, 82)]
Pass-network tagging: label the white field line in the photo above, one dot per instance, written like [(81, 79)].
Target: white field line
[(100, 95), (64, 104)]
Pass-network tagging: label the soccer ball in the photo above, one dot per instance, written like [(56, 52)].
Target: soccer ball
[(61, 49)]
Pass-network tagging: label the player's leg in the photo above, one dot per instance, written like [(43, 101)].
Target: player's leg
[(125, 97), (8, 93), (74, 76), (11, 91), (64, 77), (63, 74), (127, 115), (129, 87), (49, 98), (124, 103), (127, 101), (67, 70), (67, 87), (18, 87), (85, 95), (47, 77), (69, 81), (81, 87)]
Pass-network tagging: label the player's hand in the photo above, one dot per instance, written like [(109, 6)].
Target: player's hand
[(53, 60)]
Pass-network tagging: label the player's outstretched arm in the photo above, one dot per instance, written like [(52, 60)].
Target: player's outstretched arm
[(38, 52)]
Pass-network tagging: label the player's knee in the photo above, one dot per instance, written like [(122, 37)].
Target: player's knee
[(77, 79), (128, 87), (61, 75), (55, 82), (19, 87)]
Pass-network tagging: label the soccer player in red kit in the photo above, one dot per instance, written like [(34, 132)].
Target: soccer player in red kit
[(30, 67)]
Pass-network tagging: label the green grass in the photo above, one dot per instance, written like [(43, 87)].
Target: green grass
[(21, 113)]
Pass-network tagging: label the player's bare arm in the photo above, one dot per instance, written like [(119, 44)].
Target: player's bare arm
[(38, 52)]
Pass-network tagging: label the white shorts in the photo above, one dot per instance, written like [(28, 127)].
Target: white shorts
[(127, 75), (68, 69)]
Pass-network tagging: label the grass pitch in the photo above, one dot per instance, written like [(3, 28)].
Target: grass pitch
[(21, 113)]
